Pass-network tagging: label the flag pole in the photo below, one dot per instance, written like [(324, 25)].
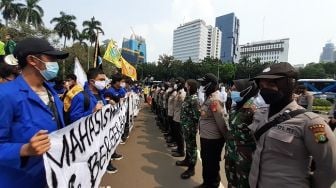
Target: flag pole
[(96, 51)]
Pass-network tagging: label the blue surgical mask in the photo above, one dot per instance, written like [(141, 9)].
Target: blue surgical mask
[(235, 96), (51, 70)]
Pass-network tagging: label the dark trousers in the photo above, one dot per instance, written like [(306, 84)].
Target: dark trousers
[(170, 127), (145, 96), (165, 121), (178, 136), (153, 106), (211, 150)]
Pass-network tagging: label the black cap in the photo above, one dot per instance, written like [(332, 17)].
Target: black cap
[(278, 70), (180, 80), (32, 46), (209, 77), (242, 84)]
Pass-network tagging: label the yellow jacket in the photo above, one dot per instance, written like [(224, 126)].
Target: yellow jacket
[(70, 95)]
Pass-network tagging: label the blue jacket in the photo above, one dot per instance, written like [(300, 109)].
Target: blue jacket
[(77, 110), (116, 93), (22, 115)]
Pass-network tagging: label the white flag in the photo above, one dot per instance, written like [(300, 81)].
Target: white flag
[(80, 73)]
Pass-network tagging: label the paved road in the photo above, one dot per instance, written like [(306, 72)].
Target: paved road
[(147, 162)]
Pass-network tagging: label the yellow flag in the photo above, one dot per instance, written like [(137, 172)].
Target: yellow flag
[(112, 54), (127, 69)]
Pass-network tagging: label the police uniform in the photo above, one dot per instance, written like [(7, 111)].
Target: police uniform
[(181, 94), (213, 128), (283, 152), (282, 156), (171, 99)]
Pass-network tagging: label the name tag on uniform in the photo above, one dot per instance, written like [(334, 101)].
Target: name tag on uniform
[(281, 136)]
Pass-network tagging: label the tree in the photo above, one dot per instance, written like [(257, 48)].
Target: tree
[(21, 30), (91, 27), (249, 69), (81, 37), (9, 10), (65, 26), (313, 70), (31, 13)]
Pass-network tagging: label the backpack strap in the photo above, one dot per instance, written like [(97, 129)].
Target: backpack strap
[(279, 119), (86, 100)]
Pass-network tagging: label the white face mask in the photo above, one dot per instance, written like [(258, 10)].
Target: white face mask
[(123, 84), (175, 86), (100, 85), (204, 88)]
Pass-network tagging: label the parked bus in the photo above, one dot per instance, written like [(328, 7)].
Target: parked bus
[(321, 88)]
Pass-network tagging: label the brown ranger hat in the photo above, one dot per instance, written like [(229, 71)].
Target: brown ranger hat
[(278, 70)]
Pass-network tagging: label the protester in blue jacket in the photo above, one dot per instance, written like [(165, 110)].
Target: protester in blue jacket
[(94, 89), (117, 90), (30, 110), (113, 95)]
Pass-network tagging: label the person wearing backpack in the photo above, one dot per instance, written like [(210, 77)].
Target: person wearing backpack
[(94, 88), (287, 137), (72, 90)]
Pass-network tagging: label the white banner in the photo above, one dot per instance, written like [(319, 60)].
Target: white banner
[(80, 152), (134, 108)]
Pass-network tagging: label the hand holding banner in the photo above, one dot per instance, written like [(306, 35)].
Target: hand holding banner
[(80, 152)]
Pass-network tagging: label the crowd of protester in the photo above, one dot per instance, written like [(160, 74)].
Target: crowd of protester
[(35, 103), (265, 125)]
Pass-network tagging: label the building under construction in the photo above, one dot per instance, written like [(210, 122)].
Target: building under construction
[(134, 49)]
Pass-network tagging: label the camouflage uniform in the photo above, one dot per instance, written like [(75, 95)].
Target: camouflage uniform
[(239, 146), (189, 119)]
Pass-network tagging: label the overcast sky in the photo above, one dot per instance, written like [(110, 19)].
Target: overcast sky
[(308, 23)]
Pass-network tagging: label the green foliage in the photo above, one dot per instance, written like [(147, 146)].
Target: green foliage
[(168, 67), (322, 108), (20, 31), (10, 10), (65, 26), (91, 27), (321, 102), (249, 69), (313, 70), (31, 13)]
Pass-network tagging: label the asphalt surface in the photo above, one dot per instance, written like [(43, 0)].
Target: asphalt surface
[(147, 162)]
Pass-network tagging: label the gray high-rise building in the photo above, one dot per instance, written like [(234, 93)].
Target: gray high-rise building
[(328, 53), (229, 25)]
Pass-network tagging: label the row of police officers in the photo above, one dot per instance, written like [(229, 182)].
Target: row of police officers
[(270, 141)]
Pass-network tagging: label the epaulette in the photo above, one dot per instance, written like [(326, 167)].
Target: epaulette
[(311, 115)]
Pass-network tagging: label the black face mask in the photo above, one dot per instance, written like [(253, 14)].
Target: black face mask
[(271, 96)]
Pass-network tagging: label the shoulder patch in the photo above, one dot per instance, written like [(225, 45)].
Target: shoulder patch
[(311, 115), (214, 106), (319, 133)]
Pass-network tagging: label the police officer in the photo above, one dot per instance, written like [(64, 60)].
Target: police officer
[(239, 141), (213, 122), (189, 120), (305, 98), (181, 94), (30, 110), (171, 140), (287, 137)]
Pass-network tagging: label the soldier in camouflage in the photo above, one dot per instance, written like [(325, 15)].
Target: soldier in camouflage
[(240, 143), (189, 120)]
